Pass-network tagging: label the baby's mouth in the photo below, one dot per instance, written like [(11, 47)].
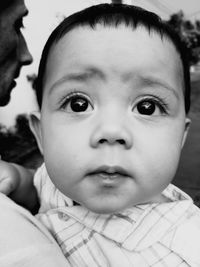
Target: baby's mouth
[(110, 170), (109, 174)]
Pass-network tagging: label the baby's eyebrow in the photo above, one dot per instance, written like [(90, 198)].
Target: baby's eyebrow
[(80, 76), (155, 81)]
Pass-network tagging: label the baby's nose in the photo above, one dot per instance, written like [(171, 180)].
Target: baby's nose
[(112, 131)]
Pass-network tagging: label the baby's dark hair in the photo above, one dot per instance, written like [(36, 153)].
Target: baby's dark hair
[(114, 15)]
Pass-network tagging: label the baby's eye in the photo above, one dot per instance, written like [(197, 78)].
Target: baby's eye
[(150, 107), (77, 103)]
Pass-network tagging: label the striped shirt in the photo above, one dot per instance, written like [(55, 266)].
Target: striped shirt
[(146, 235)]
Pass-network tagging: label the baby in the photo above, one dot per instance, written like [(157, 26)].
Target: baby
[(114, 92)]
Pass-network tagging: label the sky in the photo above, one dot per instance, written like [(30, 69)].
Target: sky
[(44, 16)]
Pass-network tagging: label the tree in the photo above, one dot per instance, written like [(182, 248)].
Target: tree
[(176, 21), (18, 144), (197, 25), (190, 34), (31, 78)]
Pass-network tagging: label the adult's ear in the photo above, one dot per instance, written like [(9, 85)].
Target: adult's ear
[(187, 127), (35, 126)]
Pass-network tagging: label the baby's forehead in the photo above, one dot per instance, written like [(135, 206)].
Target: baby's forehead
[(104, 31), (99, 28)]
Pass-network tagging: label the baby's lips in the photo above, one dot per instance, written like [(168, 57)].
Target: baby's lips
[(110, 170)]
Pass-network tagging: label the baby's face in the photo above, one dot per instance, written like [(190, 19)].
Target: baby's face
[(112, 120)]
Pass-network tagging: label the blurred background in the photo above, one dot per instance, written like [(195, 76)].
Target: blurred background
[(17, 144)]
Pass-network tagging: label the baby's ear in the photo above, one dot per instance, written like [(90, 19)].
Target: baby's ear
[(34, 123), (187, 127)]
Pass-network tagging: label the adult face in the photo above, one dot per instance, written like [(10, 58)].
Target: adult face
[(113, 119), (13, 49)]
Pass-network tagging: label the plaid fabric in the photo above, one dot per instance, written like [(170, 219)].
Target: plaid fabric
[(150, 235)]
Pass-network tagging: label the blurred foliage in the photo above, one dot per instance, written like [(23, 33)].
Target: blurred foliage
[(31, 78), (190, 34), (17, 143)]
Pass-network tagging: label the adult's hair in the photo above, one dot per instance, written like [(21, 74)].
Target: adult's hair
[(113, 15)]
